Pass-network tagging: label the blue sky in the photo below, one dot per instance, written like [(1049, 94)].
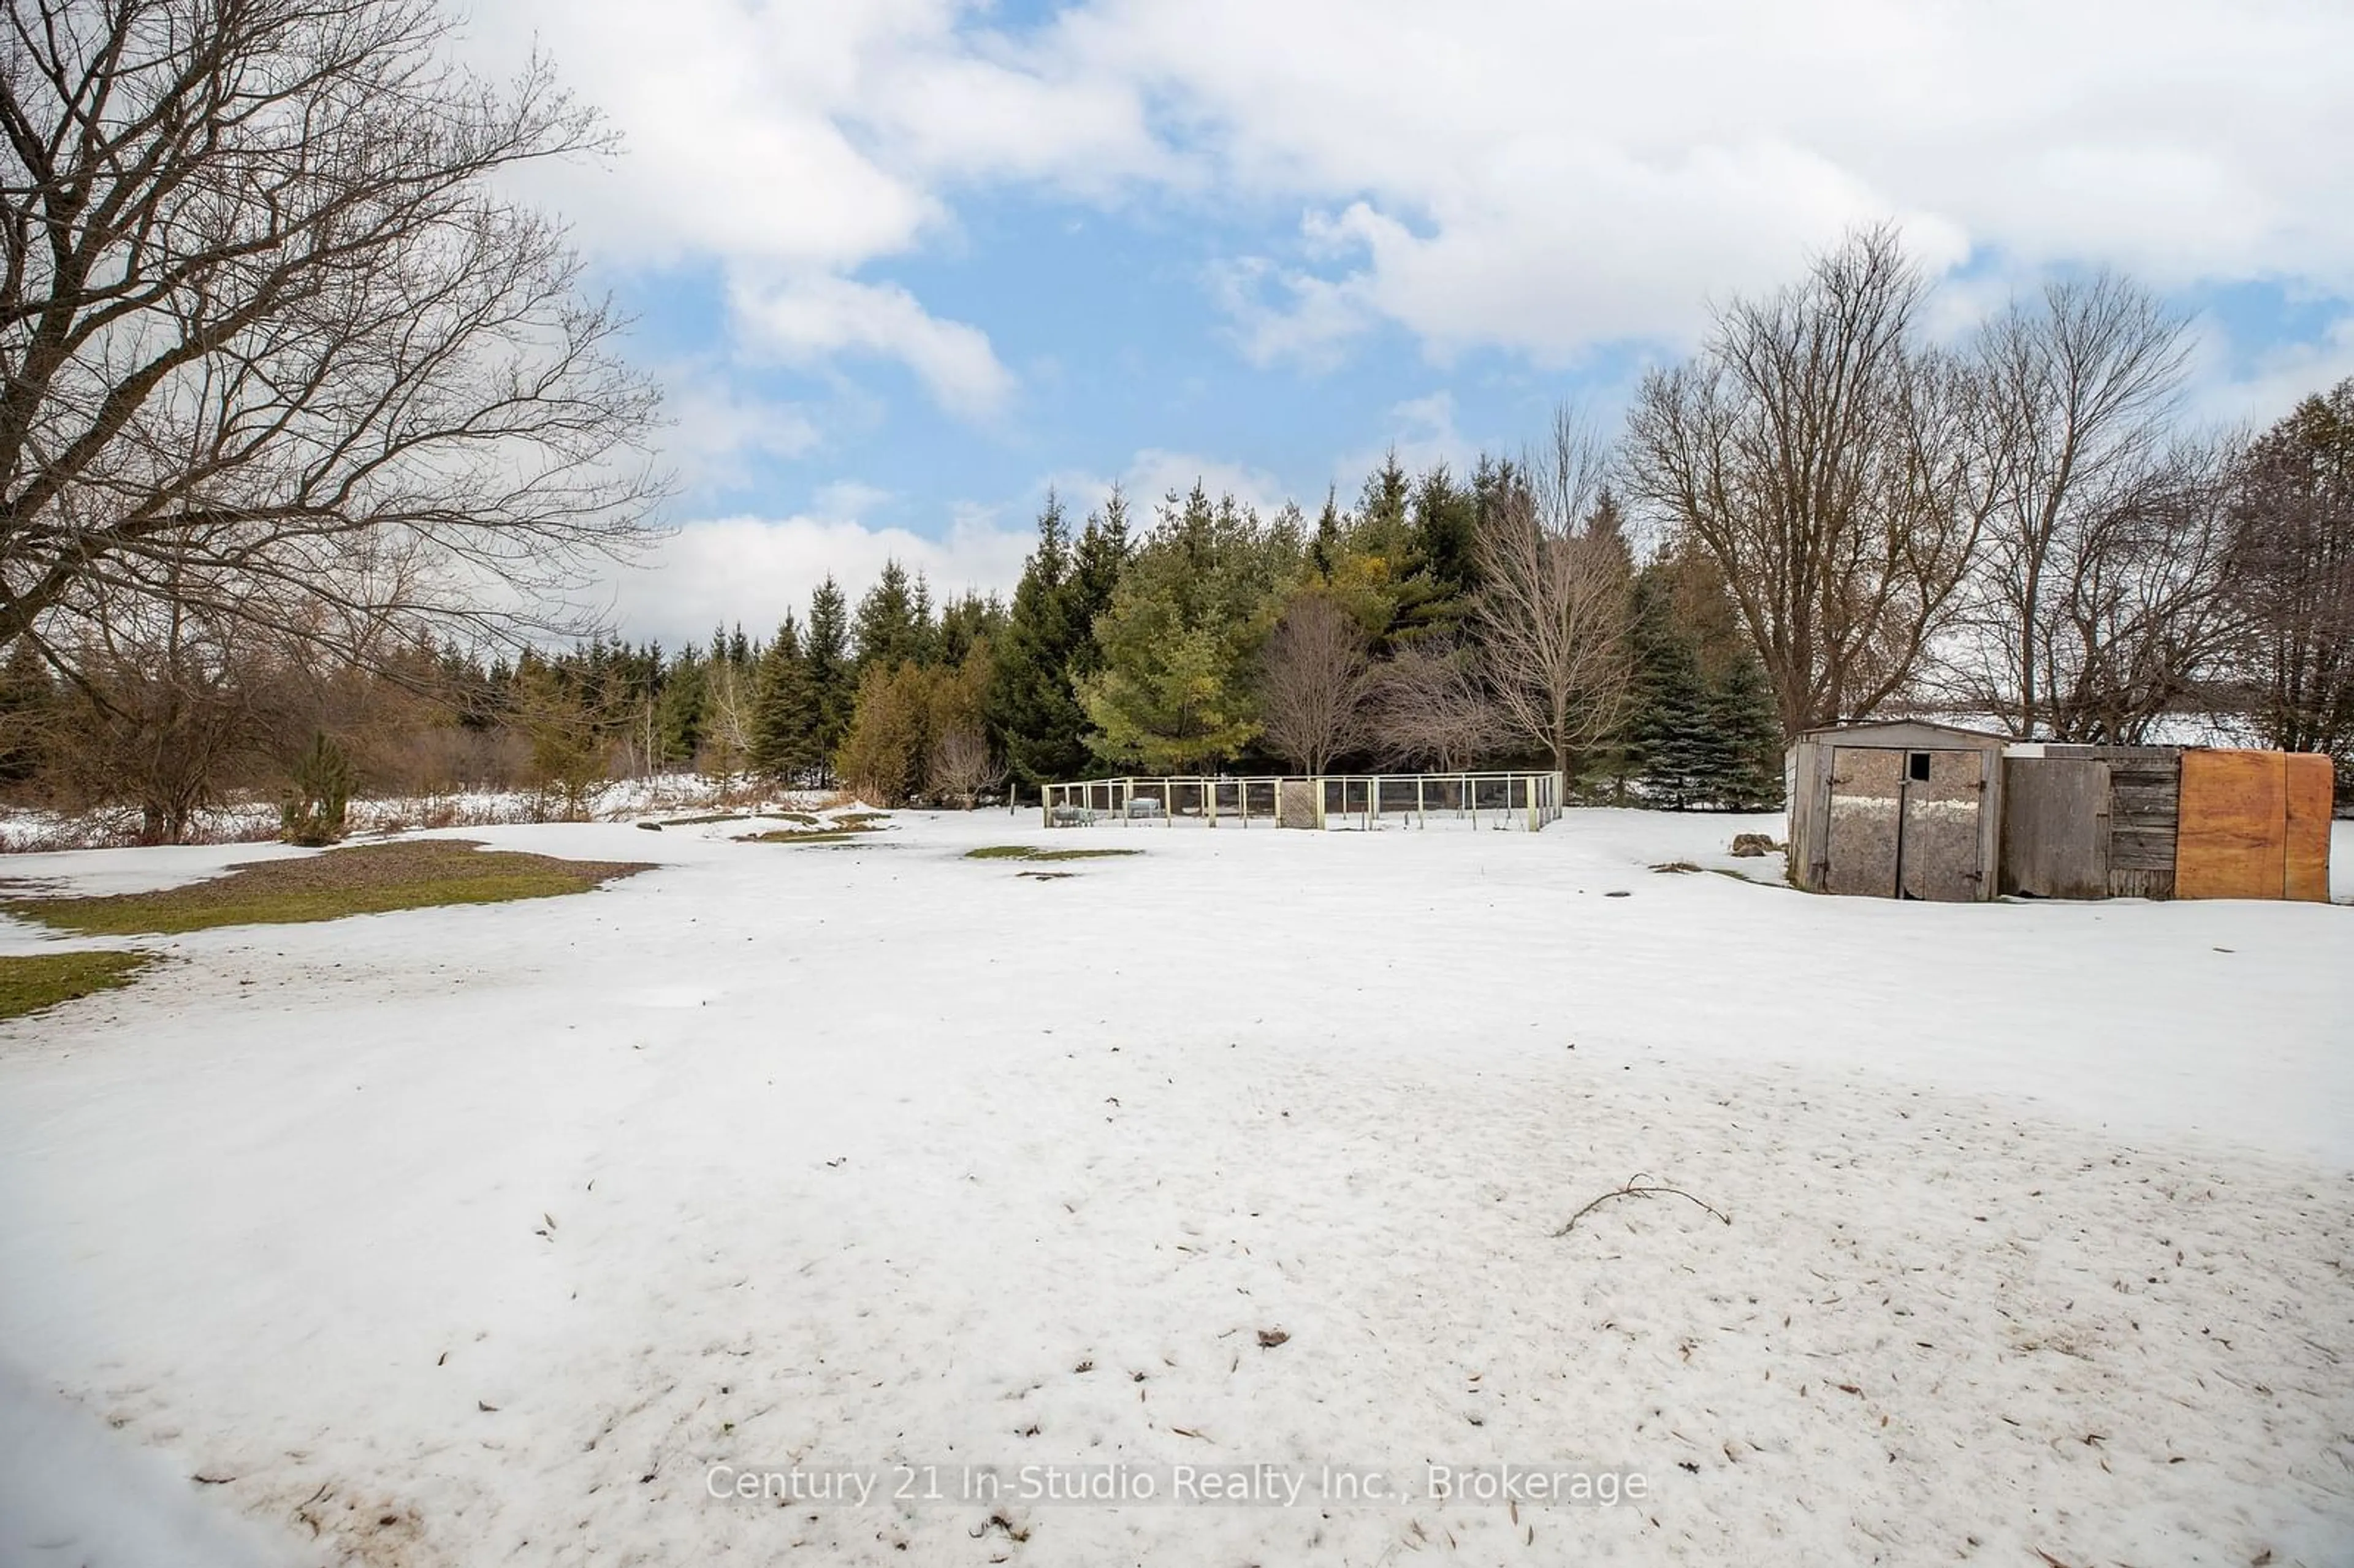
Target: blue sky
[(901, 265)]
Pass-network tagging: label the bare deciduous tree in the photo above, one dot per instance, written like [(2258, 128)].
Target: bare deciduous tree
[(1318, 673), (2081, 391), (2137, 615), (1831, 465), (2292, 575), (729, 704), (1431, 709), (1551, 608), (962, 765), (267, 326), (164, 702)]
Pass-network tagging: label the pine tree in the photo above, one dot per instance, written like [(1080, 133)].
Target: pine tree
[(1180, 638), (1696, 742), (1324, 550), (825, 649), (1670, 739), (895, 620), (785, 712), (1743, 713), (679, 713), (1032, 715)]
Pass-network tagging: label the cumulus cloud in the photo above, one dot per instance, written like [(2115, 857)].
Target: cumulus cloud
[(718, 429), (809, 320), (1562, 174), (753, 569)]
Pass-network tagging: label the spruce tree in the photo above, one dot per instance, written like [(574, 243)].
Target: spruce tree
[(1695, 742), (1671, 744), (1033, 716), (1180, 638), (680, 715), (895, 620), (1324, 550), (785, 712), (826, 649), (1744, 714)]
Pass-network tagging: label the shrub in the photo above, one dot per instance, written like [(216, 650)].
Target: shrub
[(313, 813)]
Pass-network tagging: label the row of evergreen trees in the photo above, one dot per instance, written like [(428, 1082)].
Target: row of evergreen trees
[(1121, 649)]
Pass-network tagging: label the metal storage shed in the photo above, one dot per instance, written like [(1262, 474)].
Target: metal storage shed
[(1903, 809)]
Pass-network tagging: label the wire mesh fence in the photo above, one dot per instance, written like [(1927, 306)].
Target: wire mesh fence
[(1524, 800)]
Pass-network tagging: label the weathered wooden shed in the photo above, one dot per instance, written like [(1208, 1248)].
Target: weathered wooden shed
[(1901, 809), (2091, 822), (1912, 810), (2116, 822)]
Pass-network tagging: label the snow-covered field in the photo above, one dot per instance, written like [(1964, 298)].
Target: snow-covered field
[(511, 1233)]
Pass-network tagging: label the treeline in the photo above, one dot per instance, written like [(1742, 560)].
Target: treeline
[(1821, 516)]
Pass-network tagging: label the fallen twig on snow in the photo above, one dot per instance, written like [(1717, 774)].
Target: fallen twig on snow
[(1635, 1188)]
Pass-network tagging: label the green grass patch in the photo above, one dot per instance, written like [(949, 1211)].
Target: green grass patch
[(1031, 851), (45, 979), (860, 822), (370, 879), (699, 822), (805, 819)]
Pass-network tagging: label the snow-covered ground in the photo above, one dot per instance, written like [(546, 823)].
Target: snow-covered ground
[(510, 1234)]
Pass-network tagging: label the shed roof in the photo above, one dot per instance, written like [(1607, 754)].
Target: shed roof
[(1907, 732)]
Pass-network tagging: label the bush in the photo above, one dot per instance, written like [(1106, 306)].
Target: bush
[(313, 813)]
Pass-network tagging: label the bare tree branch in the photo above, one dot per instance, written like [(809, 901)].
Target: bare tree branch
[(266, 326), (1552, 609), (1831, 465), (1317, 674)]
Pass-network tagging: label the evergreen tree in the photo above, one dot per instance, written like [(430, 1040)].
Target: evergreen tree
[(1182, 636), (895, 620), (883, 756), (1032, 715), (1743, 713), (1098, 562), (967, 624), (1325, 549), (825, 649), (679, 713), (785, 712), (28, 703), (1695, 741), (1446, 526), (1671, 741)]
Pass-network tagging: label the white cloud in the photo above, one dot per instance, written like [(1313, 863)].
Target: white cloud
[(716, 427), (1153, 473), (753, 569), (1552, 175), (1559, 175), (1422, 433), (808, 320), (2279, 378)]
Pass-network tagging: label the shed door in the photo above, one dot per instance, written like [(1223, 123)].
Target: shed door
[(2055, 827), (1867, 796), (1943, 792)]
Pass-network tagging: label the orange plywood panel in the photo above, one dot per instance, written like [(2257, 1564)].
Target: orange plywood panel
[(2309, 784), (2230, 840)]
